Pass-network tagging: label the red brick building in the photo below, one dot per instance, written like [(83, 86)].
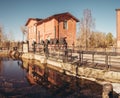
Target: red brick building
[(118, 26), (56, 26)]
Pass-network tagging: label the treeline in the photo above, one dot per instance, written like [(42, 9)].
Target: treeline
[(89, 38), (6, 40), (96, 40)]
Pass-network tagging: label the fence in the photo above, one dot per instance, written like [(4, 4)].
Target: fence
[(93, 58), (11, 46), (98, 58)]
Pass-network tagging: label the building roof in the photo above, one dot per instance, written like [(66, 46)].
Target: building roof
[(67, 13), (118, 9), (37, 19), (58, 15), (53, 16)]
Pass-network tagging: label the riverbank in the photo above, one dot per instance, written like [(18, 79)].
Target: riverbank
[(97, 75), (100, 76), (73, 69), (4, 53)]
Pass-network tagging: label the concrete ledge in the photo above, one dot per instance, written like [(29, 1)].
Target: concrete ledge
[(98, 74)]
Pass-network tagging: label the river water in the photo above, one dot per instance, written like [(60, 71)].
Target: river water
[(28, 79)]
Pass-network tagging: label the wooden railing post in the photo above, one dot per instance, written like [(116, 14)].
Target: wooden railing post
[(106, 61), (80, 57), (65, 55), (92, 58)]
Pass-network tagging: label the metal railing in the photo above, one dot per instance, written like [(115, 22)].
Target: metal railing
[(96, 58), (105, 59)]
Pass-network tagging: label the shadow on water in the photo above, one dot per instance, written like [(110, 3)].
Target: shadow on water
[(30, 79)]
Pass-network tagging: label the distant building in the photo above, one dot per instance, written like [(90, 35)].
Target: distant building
[(56, 26), (118, 26)]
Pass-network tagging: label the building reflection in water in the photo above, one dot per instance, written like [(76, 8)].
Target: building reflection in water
[(31, 79), (59, 84)]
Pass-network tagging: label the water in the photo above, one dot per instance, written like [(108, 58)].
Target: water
[(30, 79)]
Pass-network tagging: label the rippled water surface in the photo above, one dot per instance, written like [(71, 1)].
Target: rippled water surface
[(30, 80)]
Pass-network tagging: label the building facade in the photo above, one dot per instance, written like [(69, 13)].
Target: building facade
[(54, 27), (118, 26)]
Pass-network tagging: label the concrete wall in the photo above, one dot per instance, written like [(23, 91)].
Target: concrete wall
[(97, 74)]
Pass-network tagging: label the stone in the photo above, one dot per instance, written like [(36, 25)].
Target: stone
[(107, 91)]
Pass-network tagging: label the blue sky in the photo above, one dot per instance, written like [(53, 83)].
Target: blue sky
[(14, 13)]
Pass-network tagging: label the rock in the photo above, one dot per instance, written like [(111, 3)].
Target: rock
[(107, 91)]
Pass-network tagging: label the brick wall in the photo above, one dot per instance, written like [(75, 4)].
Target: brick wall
[(118, 27), (50, 28), (46, 30), (70, 32), (31, 31)]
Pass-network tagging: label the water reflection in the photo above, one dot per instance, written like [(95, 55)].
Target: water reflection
[(30, 79), (60, 85)]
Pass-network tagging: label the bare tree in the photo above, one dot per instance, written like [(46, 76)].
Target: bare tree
[(100, 40), (109, 39), (2, 36), (1, 33), (11, 36), (24, 31), (87, 25)]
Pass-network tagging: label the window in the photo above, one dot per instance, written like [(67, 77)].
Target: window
[(65, 24), (34, 28)]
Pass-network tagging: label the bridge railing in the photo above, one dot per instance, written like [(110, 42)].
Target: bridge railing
[(92, 58), (102, 60), (99, 58)]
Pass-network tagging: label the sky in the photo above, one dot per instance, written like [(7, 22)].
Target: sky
[(15, 13)]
